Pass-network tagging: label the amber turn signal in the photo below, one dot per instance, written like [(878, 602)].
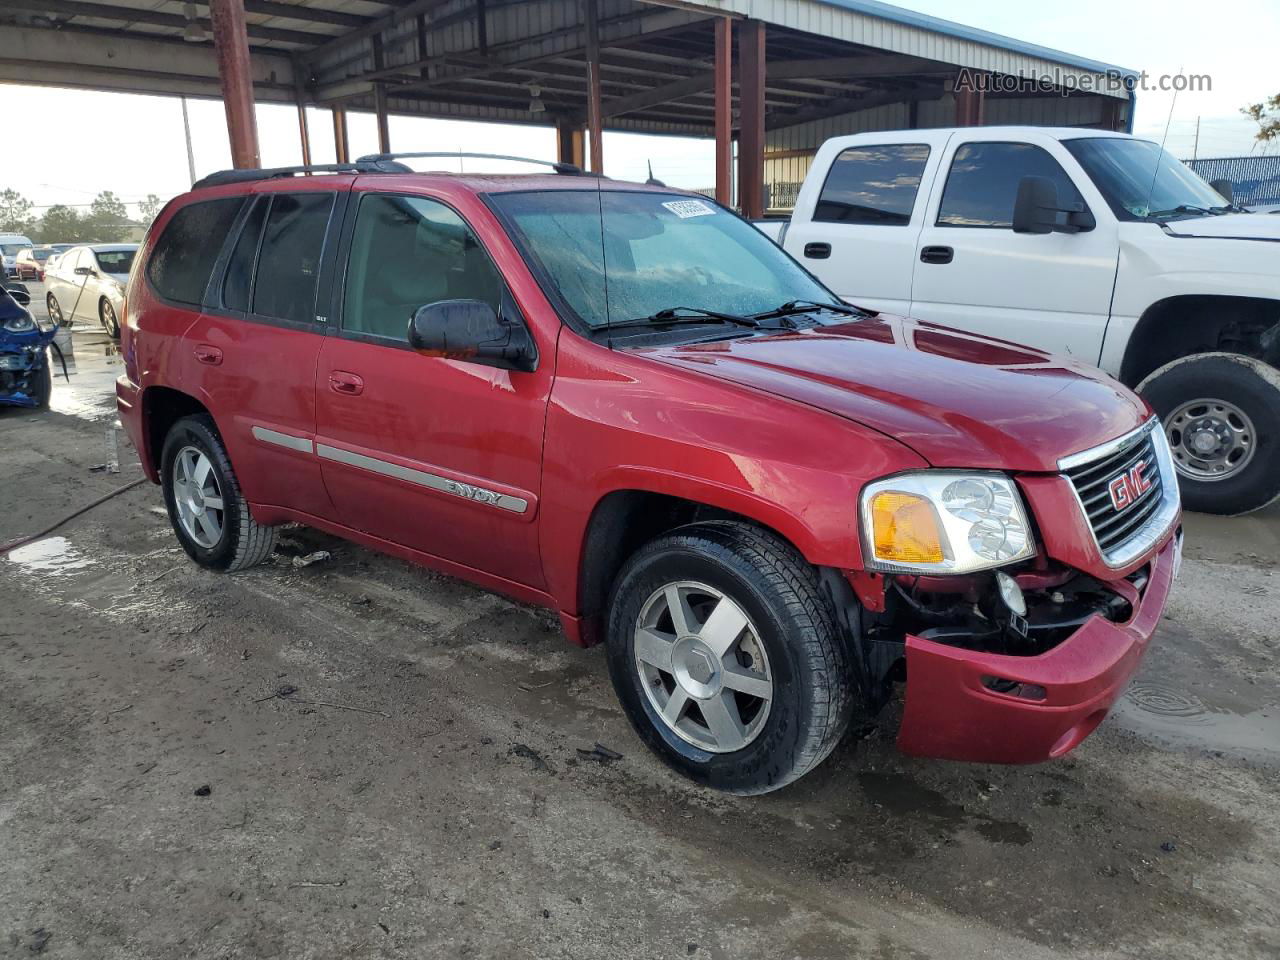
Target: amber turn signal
[(905, 528)]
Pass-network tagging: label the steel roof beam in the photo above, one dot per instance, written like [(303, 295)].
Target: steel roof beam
[(102, 11)]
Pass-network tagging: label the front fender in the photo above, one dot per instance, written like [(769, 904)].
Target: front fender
[(618, 421)]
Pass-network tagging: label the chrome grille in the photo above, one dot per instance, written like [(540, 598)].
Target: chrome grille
[(1124, 533)]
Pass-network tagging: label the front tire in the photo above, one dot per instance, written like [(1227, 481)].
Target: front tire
[(1221, 412), (42, 385), (209, 513), (726, 659)]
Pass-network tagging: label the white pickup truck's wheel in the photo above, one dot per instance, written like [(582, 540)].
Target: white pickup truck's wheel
[(725, 656), (1221, 412)]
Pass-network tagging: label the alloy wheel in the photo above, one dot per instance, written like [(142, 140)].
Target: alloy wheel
[(703, 666), (197, 498)]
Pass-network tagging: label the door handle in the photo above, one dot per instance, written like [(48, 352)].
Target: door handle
[(348, 384), (936, 254), (817, 251), (207, 354)]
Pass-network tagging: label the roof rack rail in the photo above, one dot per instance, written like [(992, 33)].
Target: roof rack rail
[(362, 165), (567, 169)]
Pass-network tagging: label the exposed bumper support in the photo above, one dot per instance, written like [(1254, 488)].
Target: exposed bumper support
[(951, 713)]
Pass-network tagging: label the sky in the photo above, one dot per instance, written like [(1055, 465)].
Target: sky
[(134, 144)]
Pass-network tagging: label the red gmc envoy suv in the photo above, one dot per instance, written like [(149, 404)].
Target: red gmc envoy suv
[(625, 403)]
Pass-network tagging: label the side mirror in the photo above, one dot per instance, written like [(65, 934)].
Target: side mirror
[(1036, 209), (21, 295), (85, 271), (470, 330), (1225, 188)]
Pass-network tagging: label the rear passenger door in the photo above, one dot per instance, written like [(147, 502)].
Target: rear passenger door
[(252, 353), (437, 455), (856, 230)]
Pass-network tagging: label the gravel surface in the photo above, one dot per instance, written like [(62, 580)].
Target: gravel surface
[(359, 758)]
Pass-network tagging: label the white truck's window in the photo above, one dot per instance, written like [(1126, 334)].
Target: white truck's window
[(873, 184), (983, 183)]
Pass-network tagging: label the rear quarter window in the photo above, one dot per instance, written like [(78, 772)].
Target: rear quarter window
[(183, 258)]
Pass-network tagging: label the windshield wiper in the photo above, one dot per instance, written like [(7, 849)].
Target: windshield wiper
[(1185, 208), (809, 306), (692, 315)]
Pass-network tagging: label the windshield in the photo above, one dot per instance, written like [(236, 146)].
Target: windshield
[(1125, 171), (12, 249), (618, 256), (115, 261), (41, 255)]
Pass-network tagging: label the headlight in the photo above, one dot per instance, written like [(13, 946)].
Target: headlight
[(944, 521), (22, 324)]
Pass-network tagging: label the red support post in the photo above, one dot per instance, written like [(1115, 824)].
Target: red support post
[(304, 134), (969, 108), (341, 148), (751, 133), (569, 142), (231, 43), (724, 110), (595, 115), (384, 125)]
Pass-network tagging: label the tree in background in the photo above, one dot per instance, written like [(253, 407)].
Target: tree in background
[(63, 225), (15, 212), (1266, 116), (108, 218), (148, 208)]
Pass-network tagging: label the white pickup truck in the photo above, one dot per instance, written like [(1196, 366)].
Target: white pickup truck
[(1096, 245)]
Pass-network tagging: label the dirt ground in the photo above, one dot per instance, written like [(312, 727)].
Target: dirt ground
[(362, 759)]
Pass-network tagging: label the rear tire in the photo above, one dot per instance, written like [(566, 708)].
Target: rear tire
[(55, 311), (110, 323), (209, 513), (783, 678), (1221, 412)]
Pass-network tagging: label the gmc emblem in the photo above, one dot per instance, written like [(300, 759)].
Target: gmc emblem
[(1129, 487)]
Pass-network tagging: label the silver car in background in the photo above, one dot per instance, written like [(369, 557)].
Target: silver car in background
[(88, 283)]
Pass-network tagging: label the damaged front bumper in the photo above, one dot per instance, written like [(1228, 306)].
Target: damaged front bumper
[(19, 367), (965, 704)]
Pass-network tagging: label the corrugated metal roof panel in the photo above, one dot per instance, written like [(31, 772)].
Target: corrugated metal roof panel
[(885, 27)]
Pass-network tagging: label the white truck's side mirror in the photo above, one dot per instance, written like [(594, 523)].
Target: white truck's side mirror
[(1036, 209)]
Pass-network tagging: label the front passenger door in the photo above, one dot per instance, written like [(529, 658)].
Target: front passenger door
[(1051, 291), (441, 456)]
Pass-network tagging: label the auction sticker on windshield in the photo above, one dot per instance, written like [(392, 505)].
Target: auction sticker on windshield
[(684, 209)]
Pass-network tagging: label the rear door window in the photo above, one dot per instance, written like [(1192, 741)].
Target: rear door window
[(407, 252), (873, 184), (184, 256), (239, 279), (289, 262), (983, 183)]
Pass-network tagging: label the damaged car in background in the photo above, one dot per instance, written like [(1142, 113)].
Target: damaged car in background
[(626, 404), (26, 379)]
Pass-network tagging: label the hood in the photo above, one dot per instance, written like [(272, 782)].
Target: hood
[(955, 399), (1230, 226)]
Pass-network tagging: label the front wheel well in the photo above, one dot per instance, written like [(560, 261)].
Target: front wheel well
[(621, 523), (1187, 325), (162, 407)]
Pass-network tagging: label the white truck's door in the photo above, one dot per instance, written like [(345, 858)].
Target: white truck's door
[(972, 271), (856, 227)]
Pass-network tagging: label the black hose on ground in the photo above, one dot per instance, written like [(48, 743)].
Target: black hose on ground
[(21, 541)]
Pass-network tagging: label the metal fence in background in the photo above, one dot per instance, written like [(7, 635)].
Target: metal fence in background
[(1253, 179)]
